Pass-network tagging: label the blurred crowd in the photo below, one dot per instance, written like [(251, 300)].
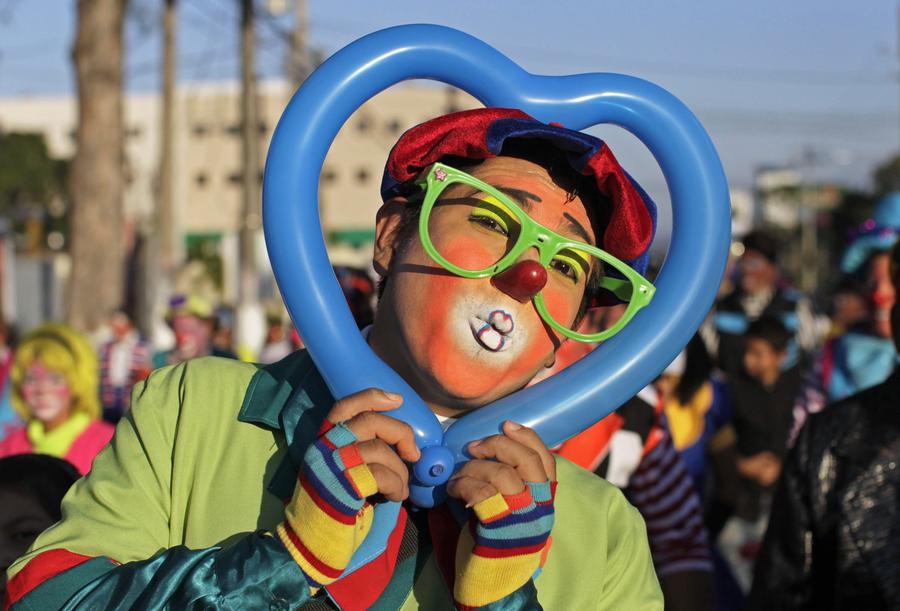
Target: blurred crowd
[(704, 452)]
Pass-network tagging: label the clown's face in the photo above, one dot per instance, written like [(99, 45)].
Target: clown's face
[(48, 395), (192, 335), (882, 294), (462, 343)]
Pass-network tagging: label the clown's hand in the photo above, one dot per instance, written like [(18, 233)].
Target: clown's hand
[(512, 498), (358, 453)]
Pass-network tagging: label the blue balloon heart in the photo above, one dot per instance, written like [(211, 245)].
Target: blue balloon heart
[(593, 387)]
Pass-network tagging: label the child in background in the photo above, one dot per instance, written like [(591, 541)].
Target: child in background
[(696, 406), (762, 397), (55, 391)]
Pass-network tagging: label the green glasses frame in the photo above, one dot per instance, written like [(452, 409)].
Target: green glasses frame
[(634, 289)]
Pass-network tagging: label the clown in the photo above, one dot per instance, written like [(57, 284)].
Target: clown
[(864, 354), (55, 391), (233, 486)]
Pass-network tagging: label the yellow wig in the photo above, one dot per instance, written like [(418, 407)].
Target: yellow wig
[(64, 350)]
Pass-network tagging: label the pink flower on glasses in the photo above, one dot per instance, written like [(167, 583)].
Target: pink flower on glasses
[(440, 175)]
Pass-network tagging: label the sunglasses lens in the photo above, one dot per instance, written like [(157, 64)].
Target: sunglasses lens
[(472, 232)]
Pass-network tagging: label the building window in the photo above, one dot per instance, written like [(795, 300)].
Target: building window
[(133, 132), (362, 176), (201, 179), (236, 178), (394, 126), (234, 130), (363, 125), (328, 175), (200, 130)]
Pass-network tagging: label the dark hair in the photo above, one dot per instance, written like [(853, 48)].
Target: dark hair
[(44, 477), (771, 330), (697, 370), (763, 243), (561, 172)]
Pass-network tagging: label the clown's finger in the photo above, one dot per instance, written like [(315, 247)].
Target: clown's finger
[(389, 483), (377, 451), (372, 425), (470, 490), (504, 478), (507, 451), (370, 399), (528, 437)]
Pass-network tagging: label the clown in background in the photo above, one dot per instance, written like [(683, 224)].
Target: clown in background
[(192, 319), (864, 354), (55, 378), (125, 360)]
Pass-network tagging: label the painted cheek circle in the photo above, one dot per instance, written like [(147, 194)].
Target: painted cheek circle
[(559, 305), (468, 253)]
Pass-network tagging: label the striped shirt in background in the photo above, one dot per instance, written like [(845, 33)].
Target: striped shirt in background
[(632, 448)]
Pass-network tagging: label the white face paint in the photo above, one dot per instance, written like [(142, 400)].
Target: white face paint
[(486, 329)]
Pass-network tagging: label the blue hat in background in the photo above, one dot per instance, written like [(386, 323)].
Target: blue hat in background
[(878, 234)]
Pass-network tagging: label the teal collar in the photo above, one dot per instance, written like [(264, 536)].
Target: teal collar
[(272, 387), (291, 398)]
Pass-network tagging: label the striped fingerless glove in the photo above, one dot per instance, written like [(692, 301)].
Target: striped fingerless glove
[(328, 516), (501, 550)]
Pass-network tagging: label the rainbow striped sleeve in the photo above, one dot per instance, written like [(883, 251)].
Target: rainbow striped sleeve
[(503, 547), (328, 516)]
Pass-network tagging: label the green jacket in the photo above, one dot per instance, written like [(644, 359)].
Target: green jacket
[(176, 511)]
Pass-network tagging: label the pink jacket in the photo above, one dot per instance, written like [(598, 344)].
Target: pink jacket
[(81, 453)]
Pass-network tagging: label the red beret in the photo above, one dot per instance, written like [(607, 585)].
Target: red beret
[(481, 134)]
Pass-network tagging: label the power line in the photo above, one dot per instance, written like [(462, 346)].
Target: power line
[(563, 60)]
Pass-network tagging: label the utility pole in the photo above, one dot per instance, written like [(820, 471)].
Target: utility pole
[(251, 213), (159, 256), (809, 228), (167, 148), (300, 64)]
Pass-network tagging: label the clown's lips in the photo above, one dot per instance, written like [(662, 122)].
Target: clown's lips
[(492, 331)]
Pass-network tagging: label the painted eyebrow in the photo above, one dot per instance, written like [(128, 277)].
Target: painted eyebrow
[(524, 199), (577, 228)]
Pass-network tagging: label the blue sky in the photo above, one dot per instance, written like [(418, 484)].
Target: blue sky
[(767, 78)]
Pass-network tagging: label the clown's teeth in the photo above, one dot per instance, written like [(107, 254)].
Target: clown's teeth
[(490, 339), (501, 321)]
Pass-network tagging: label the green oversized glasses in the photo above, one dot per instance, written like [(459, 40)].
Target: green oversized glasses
[(499, 231)]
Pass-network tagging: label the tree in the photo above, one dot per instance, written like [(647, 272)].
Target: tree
[(97, 181), (28, 175)]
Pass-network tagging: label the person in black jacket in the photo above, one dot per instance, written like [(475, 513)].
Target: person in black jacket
[(834, 536)]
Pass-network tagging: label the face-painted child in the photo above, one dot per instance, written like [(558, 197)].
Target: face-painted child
[(48, 394)]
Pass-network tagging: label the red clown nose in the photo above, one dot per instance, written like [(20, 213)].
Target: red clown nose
[(522, 281)]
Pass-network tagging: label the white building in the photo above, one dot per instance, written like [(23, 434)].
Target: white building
[(207, 151)]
